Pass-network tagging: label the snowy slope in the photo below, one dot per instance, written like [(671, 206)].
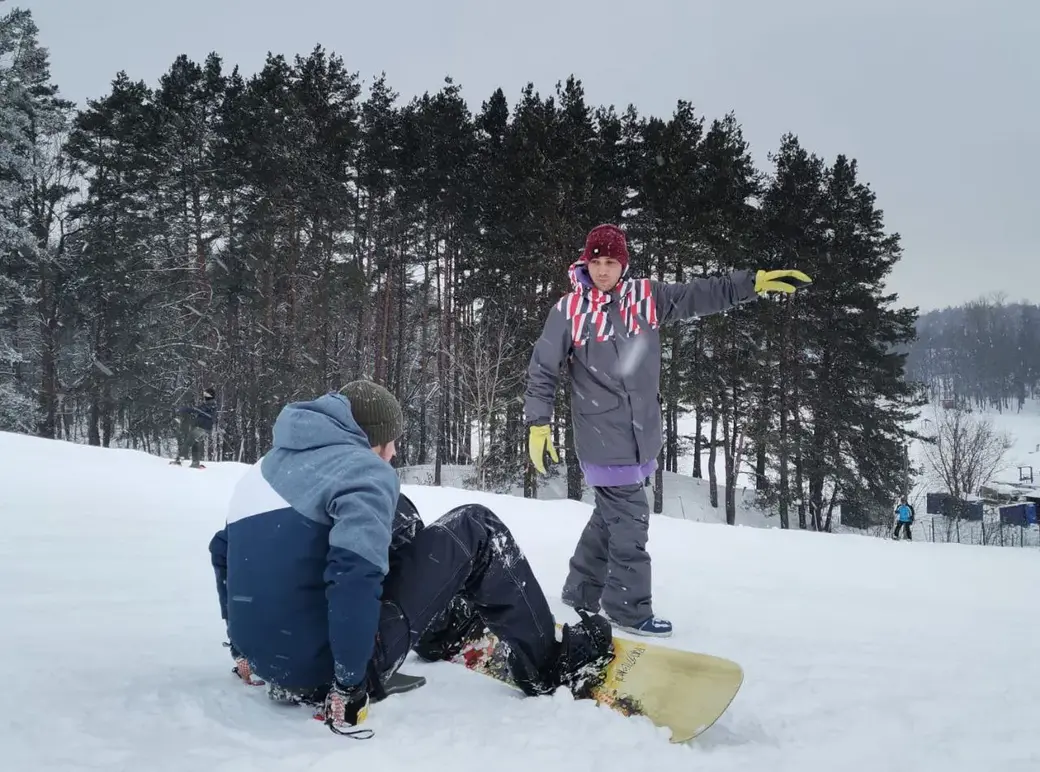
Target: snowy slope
[(860, 654)]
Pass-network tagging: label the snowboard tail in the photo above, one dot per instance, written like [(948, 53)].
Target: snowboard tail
[(684, 691)]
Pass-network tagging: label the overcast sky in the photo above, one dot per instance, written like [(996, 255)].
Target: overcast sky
[(938, 100)]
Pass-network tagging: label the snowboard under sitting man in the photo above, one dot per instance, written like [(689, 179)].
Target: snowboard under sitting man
[(326, 580), (606, 332)]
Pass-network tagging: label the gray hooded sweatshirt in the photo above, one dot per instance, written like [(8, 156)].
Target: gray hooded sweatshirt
[(612, 347)]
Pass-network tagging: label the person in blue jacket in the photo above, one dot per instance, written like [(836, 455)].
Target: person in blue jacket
[(904, 519), (327, 578)]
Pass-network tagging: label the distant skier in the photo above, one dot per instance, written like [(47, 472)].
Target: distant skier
[(327, 577), (606, 331), (193, 424), (904, 519)]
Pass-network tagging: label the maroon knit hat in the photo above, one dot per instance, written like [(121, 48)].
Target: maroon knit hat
[(606, 241)]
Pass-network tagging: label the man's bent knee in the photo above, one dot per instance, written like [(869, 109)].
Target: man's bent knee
[(469, 514)]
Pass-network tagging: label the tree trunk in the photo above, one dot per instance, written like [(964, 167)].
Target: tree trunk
[(574, 477), (48, 396), (424, 353), (762, 412), (442, 385), (817, 475), (713, 485), (799, 483), (382, 368), (671, 459), (729, 457), (698, 445), (761, 480), (659, 484), (830, 509), (403, 345), (783, 439), (785, 491), (671, 447)]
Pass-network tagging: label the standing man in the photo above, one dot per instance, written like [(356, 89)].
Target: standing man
[(606, 331)]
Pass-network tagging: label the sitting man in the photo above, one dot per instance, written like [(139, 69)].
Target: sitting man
[(324, 600)]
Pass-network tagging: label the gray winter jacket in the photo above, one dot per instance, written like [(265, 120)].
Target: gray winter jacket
[(612, 347)]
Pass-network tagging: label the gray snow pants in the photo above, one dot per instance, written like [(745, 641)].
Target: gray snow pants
[(610, 564)]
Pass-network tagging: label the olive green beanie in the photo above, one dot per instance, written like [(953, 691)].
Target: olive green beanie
[(376, 410)]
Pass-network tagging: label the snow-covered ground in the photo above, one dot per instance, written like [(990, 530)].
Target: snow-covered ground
[(859, 654)]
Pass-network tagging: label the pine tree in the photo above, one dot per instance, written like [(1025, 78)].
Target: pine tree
[(117, 249), (35, 183), (730, 182), (665, 174), (793, 234), (858, 430), (493, 282), (445, 154), (236, 291), (186, 107)]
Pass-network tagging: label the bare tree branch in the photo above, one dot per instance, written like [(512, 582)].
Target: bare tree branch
[(966, 450), (487, 376)]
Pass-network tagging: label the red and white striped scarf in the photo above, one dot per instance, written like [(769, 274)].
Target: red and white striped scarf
[(585, 307)]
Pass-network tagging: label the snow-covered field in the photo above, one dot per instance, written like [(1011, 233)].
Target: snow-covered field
[(1023, 427), (859, 654)]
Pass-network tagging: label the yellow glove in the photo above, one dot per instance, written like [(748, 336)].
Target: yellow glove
[(780, 281), (538, 443)]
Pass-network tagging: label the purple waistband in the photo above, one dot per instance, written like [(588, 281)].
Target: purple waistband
[(600, 476)]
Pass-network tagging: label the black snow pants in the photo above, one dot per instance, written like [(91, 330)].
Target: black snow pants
[(190, 439), (903, 526), (470, 554), (610, 564)]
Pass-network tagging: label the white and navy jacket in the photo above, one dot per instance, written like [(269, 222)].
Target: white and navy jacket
[(301, 561)]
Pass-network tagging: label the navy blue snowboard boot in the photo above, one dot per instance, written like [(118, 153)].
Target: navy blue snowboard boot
[(653, 627)]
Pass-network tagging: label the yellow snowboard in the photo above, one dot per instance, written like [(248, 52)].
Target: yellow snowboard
[(682, 690)]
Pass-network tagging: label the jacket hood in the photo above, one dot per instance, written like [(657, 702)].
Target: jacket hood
[(581, 281), (318, 423), (578, 273)]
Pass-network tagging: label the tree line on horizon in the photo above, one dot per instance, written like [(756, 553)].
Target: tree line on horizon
[(983, 354)]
